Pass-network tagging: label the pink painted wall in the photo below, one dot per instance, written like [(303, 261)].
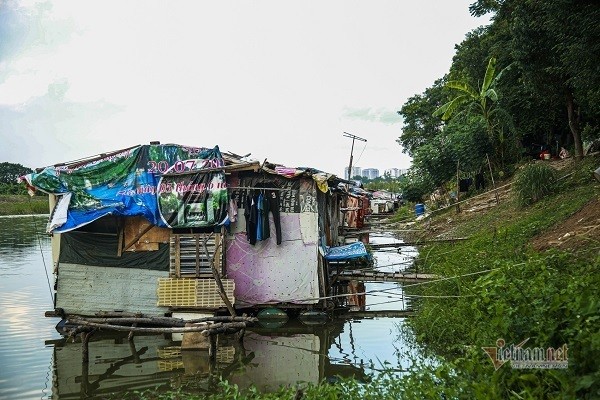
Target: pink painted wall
[(267, 273)]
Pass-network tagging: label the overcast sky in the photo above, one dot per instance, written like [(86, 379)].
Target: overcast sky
[(279, 79)]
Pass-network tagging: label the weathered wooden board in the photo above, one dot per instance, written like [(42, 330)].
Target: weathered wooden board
[(138, 231), (85, 290), (187, 256)]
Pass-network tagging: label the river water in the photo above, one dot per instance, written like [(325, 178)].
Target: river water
[(36, 362)]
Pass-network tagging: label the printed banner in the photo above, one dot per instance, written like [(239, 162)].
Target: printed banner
[(130, 182), (193, 200)]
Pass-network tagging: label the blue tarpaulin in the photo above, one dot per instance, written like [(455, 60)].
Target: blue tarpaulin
[(347, 252), (158, 182)]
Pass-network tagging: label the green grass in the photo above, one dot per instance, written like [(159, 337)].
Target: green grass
[(534, 182), (404, 213), (553, 298), (23, 204)]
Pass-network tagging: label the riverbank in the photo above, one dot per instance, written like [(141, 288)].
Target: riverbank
[(23, 205), (524, 275)]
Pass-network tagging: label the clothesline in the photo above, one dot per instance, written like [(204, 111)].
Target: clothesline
[(260, 188)]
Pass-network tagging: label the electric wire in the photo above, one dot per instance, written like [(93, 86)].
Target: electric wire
[(370, 292), (361, 153)]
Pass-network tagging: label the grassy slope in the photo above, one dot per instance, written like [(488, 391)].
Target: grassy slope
[(552, 298), (23, 204)]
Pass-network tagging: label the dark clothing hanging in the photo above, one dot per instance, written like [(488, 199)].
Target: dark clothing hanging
[(272, 199), (260, 220), (251, 215), (464, 184), (479, 181), (256, 212)]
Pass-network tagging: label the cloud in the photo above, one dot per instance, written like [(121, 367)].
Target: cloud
[(50, 129), (370, 114), (30, 34)]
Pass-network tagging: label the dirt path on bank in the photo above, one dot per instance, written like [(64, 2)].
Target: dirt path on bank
[(580, 230)]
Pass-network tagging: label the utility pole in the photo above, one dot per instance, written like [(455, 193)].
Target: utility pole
[(353, 137)]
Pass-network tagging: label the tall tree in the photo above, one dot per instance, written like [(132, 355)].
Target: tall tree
[(419, 124), (555, 46), (9, 172)]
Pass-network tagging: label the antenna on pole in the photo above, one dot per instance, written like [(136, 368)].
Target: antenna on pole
[(353, 137)]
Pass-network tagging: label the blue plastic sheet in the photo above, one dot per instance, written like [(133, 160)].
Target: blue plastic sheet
[(347, 252)]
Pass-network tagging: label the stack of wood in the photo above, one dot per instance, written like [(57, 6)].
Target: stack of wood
[(207, 326)]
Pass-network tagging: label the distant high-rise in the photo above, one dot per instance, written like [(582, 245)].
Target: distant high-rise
[(356, 171), (395, 172), (370, 173)]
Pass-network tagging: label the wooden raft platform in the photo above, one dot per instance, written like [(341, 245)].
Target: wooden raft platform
[(378, 276)]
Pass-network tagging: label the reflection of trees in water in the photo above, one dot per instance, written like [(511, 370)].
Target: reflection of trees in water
[(20, 233)]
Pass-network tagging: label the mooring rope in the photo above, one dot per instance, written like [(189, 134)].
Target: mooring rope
[(41, 252)]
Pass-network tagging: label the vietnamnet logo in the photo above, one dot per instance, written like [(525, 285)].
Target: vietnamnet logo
[(527, 357)]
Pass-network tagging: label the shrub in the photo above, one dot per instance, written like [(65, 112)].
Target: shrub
[(534, 182)]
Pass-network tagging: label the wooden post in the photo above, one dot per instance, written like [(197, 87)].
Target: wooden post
[(458, 186), (85, 339), (223, 256), (85, 361), (492, 176), (120, 234), (217, 278), (130, 336), (198, 254), (177, 257), (212, 349)]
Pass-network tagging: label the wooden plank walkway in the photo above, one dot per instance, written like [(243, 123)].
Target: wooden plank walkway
[(378, 276), (377, 314), (378, 246)]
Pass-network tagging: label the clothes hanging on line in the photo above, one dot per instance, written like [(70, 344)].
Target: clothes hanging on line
[(479, 181), (257, 208), (272, 199), (251, 215), (464, 184)]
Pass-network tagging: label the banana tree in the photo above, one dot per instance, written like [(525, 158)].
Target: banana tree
[(481, 101)]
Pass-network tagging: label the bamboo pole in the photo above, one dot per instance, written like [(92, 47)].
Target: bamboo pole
[(166, 321), (199, 328), (470, 198), (458, 186), (493, 182)]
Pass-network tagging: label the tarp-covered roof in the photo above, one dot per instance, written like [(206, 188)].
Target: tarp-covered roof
[(170, 185), (136, 182)]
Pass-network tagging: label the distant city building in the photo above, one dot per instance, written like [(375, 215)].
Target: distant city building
[(356, 171), (395, 172), (373, 173), (370, 173)]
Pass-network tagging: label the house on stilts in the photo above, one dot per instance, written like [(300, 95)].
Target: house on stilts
[(161, 229)]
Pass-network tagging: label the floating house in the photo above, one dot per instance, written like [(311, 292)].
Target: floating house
[(162, 228)]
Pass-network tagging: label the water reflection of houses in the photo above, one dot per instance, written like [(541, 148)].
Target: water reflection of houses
[(173, 220), (265, 358)]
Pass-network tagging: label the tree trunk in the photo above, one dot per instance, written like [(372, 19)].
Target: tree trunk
[(574, 125)]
